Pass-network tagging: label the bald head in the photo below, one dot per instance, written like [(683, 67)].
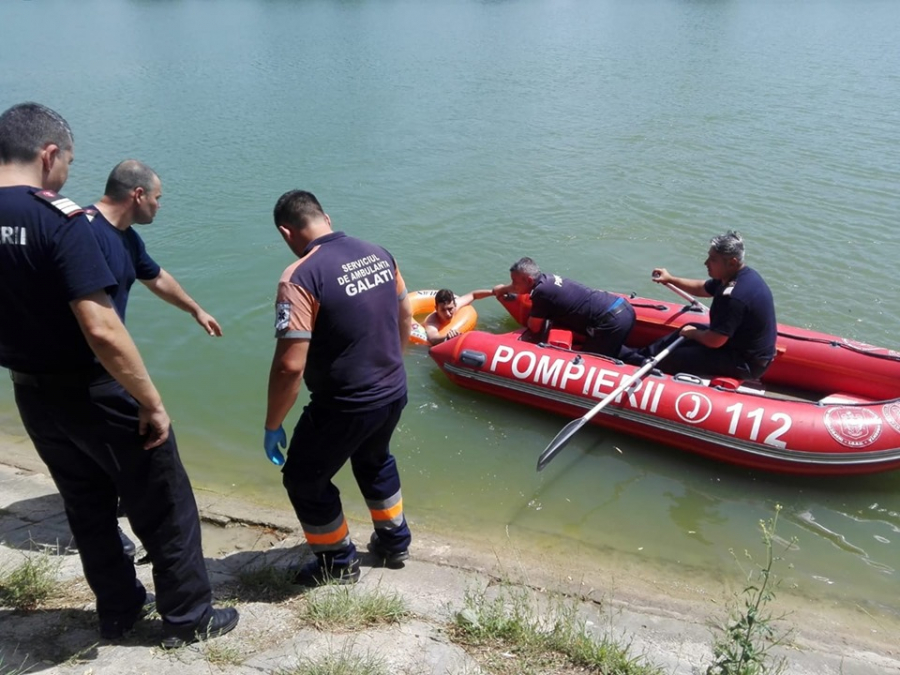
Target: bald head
[(128, 175)]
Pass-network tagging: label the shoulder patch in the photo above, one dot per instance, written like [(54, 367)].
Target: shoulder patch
[(62, 204), (282, 315)]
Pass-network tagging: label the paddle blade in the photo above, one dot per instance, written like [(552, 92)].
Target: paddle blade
[(559, 442)]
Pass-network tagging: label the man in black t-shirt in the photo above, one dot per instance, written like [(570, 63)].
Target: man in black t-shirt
[(603, 318), (85, 397), (739, 341), (342, 319)]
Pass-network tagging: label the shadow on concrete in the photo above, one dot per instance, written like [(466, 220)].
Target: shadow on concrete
[(38, 524)]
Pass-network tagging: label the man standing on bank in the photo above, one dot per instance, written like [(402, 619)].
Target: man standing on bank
[(132, 195), (100, 427), (605, 319), (342, 318), (739, 341)]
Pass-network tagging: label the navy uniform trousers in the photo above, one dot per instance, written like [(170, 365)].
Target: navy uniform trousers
[(87, 434), (322, 442), (693, 357)]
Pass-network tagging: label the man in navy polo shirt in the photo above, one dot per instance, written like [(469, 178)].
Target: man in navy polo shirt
[(85, 397), (739, 341), (603, 318), (132, 195), (342, 318)]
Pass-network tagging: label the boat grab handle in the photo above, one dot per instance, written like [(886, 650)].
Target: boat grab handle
[(691, 379), (469, 357)]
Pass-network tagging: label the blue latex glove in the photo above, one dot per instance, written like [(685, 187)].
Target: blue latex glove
[(274, 440)]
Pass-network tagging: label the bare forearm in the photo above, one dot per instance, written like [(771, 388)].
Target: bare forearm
[(109, 340), (693, 286), (165, 286), (404, 321), (284, 386)]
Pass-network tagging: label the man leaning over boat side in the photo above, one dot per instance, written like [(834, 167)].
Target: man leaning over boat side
[(603, 318), (342, 320), (446, 304), (739, 340)]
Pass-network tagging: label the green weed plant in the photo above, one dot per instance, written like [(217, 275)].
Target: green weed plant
[(745, 640), (30, 584)]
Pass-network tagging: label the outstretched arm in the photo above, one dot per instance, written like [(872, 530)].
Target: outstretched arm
[(166, 287), (693, 286), (471, 296)]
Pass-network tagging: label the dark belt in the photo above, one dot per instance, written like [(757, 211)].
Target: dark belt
[(75, 378), (616, 308)]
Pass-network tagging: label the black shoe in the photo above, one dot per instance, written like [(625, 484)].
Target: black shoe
[(113, 629), (390, 558), (313, 574), (221, 621), (128, 547)]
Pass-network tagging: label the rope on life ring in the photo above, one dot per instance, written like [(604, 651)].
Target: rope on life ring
[(422, 302)]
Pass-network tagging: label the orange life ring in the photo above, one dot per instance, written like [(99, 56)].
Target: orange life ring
[(423, 303)]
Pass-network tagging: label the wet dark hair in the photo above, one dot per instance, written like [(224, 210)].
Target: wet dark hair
[(26, 128), (128, 175), (296, 208), (443, 296)]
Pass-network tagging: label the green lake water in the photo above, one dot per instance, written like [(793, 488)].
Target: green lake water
[(601, 138)]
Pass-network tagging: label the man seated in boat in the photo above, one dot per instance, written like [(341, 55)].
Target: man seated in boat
[(603, 318), (446, 304), (739, 341)]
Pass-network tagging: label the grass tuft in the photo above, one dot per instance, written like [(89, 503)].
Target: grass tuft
[(222, 653), (30, 584), (343, 662), (510, 634), (349, 607)]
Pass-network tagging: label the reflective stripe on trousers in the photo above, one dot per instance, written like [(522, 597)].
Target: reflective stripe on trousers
[(387, 514), (334, 536)]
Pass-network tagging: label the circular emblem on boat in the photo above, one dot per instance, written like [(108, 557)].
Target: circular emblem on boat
[(693, 407), (853, 427), (891, 412)]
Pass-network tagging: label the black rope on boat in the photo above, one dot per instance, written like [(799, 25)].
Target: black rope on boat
[(842, 345)]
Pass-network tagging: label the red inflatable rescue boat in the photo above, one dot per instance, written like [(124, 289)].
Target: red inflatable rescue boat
[(826, 405)]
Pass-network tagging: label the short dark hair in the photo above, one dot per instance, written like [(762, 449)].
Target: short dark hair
[(526, 266), (26, 128), (128, 175), (443, 296), (296, 208)]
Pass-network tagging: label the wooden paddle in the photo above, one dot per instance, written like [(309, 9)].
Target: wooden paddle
[(563, 437)]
